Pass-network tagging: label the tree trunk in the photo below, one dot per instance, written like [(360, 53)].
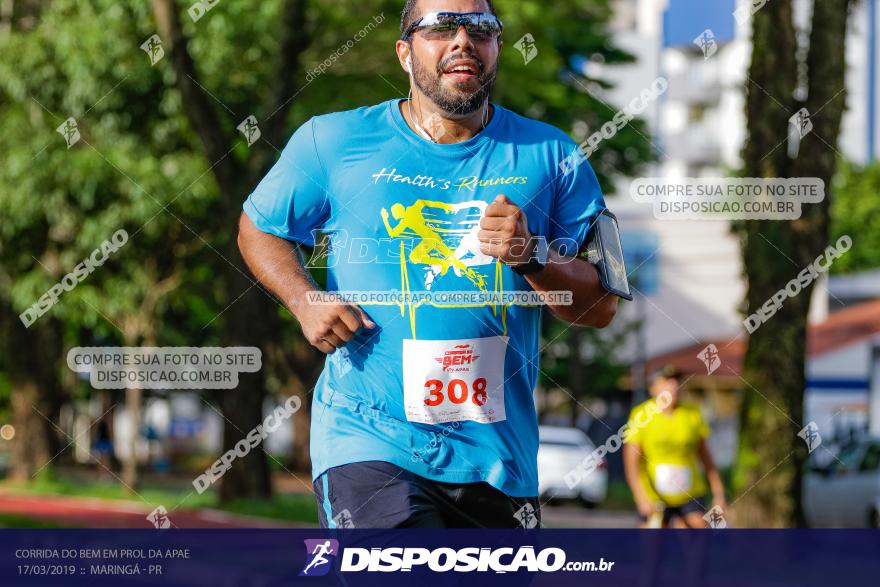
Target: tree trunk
[(242, 407), (30, 356), (32, 447), (772, 456), (130, 464), (251, 321), (302, 421)]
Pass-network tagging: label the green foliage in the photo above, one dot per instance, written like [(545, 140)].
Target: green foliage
[(855, 211), (131, 160)]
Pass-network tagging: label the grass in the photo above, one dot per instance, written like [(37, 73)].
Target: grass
[(619, 497), (13, 521), (113, 490), (290, 507)]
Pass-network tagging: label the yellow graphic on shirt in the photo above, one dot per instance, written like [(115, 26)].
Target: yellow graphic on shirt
[(433, 250), (443, 244)]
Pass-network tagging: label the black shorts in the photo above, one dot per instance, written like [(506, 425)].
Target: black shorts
[(698, 504), (376, 494)]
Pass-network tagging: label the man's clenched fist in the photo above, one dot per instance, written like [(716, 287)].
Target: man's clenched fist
[(504, 232), (329, 327)]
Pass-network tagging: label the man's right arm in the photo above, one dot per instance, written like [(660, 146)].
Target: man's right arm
[(277, 264)]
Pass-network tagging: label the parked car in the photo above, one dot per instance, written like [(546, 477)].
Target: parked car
[(846, 493), (560, 451)]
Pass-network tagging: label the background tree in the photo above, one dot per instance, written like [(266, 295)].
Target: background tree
[(63, 202), (855, 211), (784, 78)]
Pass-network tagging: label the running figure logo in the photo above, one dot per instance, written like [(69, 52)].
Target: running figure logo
[(810, 434), (715, 518), (69, 131), (527, 516), (249, 129), (153, 48), (320, 557), (711, 358), (707, 44), (446, 241)]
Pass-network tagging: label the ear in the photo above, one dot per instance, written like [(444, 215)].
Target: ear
[(404, 52)]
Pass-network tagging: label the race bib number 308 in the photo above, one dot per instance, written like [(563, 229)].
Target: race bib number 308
[(454, 380)]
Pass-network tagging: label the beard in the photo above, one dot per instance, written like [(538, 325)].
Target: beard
[(462, 99)]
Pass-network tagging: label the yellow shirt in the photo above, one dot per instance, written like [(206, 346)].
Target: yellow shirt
[(669, 443)]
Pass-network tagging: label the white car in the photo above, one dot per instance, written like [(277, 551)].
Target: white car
[(562, 450), (846, 493)]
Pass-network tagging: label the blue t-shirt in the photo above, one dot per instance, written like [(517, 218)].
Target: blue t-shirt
[(443, 386)]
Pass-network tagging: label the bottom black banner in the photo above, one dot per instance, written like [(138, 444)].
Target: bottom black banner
[(220, 558)]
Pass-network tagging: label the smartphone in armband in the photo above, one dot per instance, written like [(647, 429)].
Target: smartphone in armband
[(605, 252)]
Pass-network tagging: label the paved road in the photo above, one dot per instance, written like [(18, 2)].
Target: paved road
[(567, 516)]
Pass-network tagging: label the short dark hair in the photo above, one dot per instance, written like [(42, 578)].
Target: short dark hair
[(668, 372), (408, 14)]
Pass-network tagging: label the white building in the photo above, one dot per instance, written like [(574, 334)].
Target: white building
[(698, 130)]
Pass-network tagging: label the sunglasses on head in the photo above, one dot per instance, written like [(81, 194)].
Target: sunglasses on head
[(443, 26)]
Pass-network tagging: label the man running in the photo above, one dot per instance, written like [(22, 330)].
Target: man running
[(428, 420), (661, 458)]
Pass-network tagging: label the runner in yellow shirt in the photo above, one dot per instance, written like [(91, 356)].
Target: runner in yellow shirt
[(666, 440)]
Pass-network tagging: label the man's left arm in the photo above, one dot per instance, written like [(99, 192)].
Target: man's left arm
[(504, 234)]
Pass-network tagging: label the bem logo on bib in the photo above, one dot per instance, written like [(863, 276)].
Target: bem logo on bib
[(459, 359)]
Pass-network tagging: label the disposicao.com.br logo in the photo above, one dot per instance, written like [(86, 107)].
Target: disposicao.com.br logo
[(442, 560)]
